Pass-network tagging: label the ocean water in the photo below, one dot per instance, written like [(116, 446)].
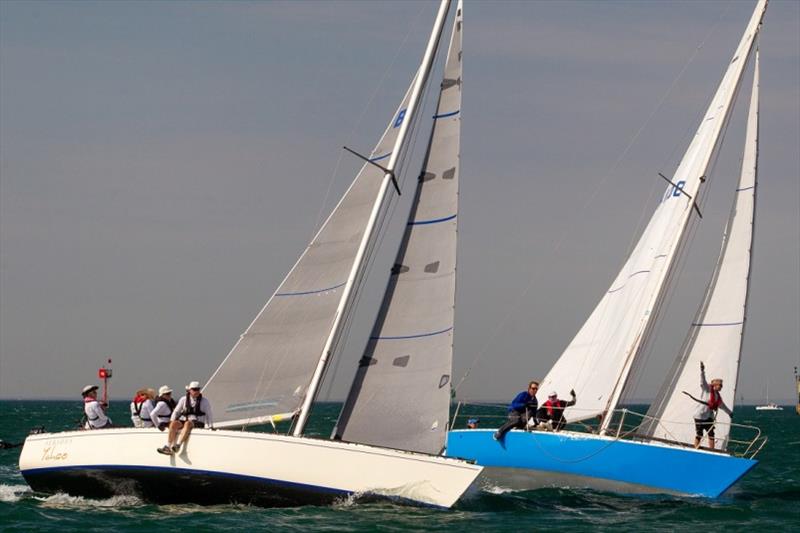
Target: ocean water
[(768, 498)]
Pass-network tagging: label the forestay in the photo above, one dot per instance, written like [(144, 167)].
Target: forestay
[(268, 371), (598, 361), (715, 337), (401, 393)]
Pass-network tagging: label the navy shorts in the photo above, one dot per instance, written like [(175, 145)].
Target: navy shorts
[(706, 425)]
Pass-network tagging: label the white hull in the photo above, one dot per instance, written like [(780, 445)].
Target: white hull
[(237, 466), (769, 408)]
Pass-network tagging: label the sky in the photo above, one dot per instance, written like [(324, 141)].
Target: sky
[(163, 165)]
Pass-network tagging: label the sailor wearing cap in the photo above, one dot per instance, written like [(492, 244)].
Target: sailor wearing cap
[(162, 412), (191, 411), (95, 414)]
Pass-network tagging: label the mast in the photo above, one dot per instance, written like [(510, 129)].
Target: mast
[(346, 298), (400, 395)]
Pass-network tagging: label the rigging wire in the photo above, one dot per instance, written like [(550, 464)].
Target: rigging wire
[(521, 297), (389, 68)]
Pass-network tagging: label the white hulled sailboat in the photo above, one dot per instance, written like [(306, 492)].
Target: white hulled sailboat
[(653, 452), (275, 370)]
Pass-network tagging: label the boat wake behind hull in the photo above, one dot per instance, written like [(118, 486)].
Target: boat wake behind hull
[(237, 467), (529, 460)]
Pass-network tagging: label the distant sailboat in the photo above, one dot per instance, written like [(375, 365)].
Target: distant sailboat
[(768, 405), (654, 452), (275, 370)]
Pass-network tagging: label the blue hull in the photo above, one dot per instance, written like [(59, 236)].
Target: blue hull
[(603, 462)]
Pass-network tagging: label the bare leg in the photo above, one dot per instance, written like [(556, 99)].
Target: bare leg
[(696, 442), (174, 426), (711, 442), (187, 428)]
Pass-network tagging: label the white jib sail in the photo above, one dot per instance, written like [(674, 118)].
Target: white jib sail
[(715, 338), (598, 361), (401, 393)]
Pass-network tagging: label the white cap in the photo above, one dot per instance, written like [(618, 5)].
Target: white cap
[(88, 388), (552, 393), (163, 389), (193, 385)]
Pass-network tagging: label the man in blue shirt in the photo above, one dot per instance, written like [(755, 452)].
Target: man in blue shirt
[(523, 407)]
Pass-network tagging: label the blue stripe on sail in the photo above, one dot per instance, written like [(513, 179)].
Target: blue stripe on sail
[(432, 221), (629, 277), (746, 188), (384, 156), (308, 292), (445, 115), (401, 337), (718, 323)]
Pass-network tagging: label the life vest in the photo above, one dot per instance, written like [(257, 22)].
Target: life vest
[(189, 410), (714, 399), (169, 401), (552, 406), (138, 402)]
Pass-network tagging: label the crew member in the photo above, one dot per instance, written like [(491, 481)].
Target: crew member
[(95, 411), (193, 410), (136, 407), (553, 410), (161, 413), (709, 402), (522, 409), (147, 407)]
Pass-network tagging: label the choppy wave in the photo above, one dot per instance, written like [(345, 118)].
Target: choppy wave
[(61, 500), (12, 493)]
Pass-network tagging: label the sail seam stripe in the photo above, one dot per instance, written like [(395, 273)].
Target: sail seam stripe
[(746, 188), (308, 292), (432, 221), (718, 323), (629, 277), (445, 115), (401, 337), (384, 156)]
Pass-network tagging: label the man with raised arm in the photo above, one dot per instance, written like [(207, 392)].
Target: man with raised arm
[(709, 402)]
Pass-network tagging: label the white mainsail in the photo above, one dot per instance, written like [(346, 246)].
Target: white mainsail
[(716, 335), (401, 393), (598, 361), (275, 369), (268, 371)]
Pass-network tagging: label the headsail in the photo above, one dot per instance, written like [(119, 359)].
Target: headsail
[(401, 393), (598, 361), (716, 335)]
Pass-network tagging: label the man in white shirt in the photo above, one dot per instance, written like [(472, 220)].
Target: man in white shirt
[(95, 412), (191, 411), (162, 412)]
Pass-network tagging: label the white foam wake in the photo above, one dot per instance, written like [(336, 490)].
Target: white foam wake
[(61, 500), (12, 493)]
